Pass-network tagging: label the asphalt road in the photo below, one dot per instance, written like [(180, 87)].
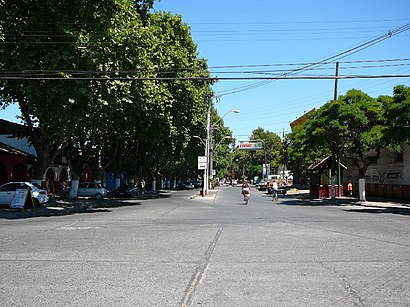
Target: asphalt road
[(178, 251)]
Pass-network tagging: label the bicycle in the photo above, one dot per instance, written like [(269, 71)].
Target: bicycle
[(274, 195), (246, 197), (246, 194)]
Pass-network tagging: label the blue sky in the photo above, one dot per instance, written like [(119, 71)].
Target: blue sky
[(269, 32), (260, 35)]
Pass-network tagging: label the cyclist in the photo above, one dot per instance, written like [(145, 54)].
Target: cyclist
[(246, 190), (274, 190)]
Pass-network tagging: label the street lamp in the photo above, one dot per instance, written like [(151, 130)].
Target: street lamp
[(232, 110), (199, 138), (208, 142)]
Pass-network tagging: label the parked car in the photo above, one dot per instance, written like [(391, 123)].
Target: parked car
[(8, 190), (197, 183), (137, 191), (186, 185), (125, 190), (234, 182), (262, 186), (281, 190), (89, 189)]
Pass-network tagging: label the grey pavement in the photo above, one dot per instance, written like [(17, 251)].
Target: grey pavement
[(173, 249)]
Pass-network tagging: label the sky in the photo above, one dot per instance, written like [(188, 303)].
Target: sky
[(265, 33), (273, 38)]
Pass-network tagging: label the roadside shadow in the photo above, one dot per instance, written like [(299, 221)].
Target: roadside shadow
[(242, 203), (61, 207), (302, 200), (378, 210)]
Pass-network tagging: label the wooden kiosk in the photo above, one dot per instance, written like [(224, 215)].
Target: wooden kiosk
[(320, 178)]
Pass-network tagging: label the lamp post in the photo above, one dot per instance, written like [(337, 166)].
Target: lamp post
[(205, 186), (208, 143)]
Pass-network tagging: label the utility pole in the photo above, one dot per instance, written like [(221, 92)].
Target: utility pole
[(336, 80), (337, 154), (207, 147)]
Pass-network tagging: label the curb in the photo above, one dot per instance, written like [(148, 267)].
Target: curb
[(211, 195)]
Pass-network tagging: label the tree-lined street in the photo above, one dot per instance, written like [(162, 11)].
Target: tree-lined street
[(176, 250)]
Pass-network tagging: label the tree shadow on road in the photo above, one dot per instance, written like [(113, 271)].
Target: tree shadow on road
[(378, 210), (61, 207), (308, 200), (302, 199)]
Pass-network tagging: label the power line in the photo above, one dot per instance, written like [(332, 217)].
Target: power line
[(272, 74), (305, 77), (335, 57)]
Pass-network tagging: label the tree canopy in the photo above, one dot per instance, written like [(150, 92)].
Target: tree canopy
[(78, 68), (397, 117), (355, 126)]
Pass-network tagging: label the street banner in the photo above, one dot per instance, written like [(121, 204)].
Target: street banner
[(250, 145)]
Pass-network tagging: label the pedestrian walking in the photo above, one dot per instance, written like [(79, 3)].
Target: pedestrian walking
[(349, 189)]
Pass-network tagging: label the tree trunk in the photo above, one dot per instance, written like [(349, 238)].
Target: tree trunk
[(362, 182), (333, 174), (38, 170), (362, 189), (73, 189), (75, 180)]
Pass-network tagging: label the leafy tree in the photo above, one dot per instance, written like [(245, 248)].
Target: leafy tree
[(252, 161), (397, 116), (40, 37), (145, 126), (222, 143), (272, 145), (350, 126), (300, 153)]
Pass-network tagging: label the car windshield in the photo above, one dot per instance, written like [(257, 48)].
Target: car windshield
[(38, 186), (12, 186)]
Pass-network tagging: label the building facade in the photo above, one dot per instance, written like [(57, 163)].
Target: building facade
[(388, 177)]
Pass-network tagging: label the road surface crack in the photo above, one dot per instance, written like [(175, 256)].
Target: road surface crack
[(200, 271)]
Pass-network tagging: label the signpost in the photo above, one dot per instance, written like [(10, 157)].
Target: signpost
[(202, 162)]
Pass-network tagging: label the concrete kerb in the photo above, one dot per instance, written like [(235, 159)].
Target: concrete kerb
[(351, 201), (211, 195)]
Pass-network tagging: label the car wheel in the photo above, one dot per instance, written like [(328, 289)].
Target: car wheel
[(98, 196)]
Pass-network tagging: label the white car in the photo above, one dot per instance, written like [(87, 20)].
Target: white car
[(8, 190), (92, 189)]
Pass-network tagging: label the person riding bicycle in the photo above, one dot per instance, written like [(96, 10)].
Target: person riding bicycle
[(274, 190), (246, 188)]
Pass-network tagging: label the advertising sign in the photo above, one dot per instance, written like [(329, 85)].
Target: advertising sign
[(19, 199), (250, 145)]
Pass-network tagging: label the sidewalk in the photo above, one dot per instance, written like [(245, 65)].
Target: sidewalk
[(351, 201)]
